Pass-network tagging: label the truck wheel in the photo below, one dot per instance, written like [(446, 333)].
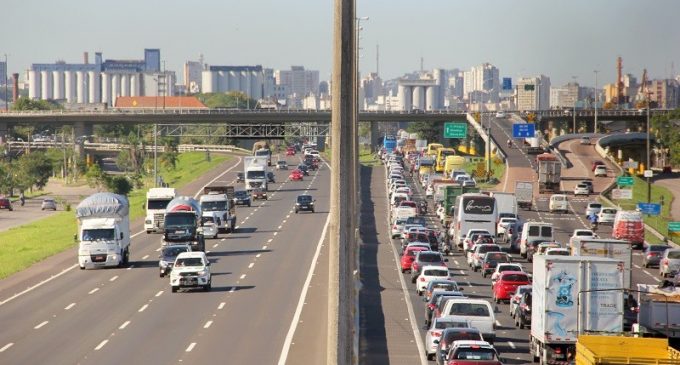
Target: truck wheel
[(148, 231), (174, 289), (82, 267), (207, 287), (161, 274)]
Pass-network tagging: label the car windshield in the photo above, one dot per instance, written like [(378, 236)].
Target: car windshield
[(658, 248), (304, 198), (673, 254), (442, 285), (432, 257), (255, 175), (594, 205), (98, 234), (584, 233), (509, 268), (437, 272), (241, 194), (179, 220), (416, 220), (488, 248), (496, 257), (469, 309), (475, 354), (189, 261), (157, 203), (173, 251), (458, 335), (440, 325), (214, 206), (515, 277)]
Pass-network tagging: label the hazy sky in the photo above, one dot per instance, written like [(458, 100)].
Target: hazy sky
[(560, 39)]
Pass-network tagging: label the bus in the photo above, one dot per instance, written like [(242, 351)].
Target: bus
[(432, 149), (389, 143), (474, 211), (442, 153)]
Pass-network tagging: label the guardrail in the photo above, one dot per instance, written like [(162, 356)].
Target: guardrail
[(171, 111), (119, 146)]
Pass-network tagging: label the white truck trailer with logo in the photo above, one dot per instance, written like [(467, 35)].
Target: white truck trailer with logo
[(573, 295), (614, 249), (157, 200), (255, 171), (103, 231)]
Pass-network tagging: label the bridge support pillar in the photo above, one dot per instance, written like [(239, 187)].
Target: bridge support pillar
[(81, 129), (4, 132)]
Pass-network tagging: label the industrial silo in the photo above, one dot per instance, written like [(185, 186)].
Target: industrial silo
[(58, 83), (245, 82), (115, 88), (33, 84), (234, 80), (405, 97), (46, 87), (431, 97), (81, 86), (106, 88), (94, 93), (256, 83), (418, 97), (208, 80), (124, 85), (69, 86), (134, 85)]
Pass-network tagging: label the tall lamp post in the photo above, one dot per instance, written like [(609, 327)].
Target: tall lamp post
[(575, 100), (648, 167), (6, 83), (597, 99)]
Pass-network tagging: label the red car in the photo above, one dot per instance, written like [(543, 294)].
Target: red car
[(596, 164), (290, 151), (5, 203), (507, 284), (295, 175), (408, 257)]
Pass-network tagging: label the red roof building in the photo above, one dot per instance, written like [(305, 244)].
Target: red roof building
[(159, 102)]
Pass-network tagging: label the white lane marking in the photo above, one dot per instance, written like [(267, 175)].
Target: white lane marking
[(258, 255), (207, 251), (93, 291), (264, 247), (237, 227), (288, 216), (122, 326), (246, 219), (69, 306), (243, 276), (114, 278), (215, 245), (41, 324), (512, 345), (224, 239), (191, 347), (637, 266), (143, 308), (456, 262), (275, 233), (250, 266), (207, 324), (221, 305), (145, 257), (6, 346), (232, 289), (256, 209), (284, 221), (298, 310), (158, 249), (462, 272), (159, 293), (101, 344), (280, 227), (30, 288), (498, 324), (270, 240), (130, 267)]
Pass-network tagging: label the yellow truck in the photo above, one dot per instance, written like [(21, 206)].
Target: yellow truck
[(611, 350)]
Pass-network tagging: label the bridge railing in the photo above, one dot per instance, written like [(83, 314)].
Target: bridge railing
[(119, 146)]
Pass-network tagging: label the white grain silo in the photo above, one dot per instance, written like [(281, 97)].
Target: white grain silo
[(234, 81), (208, 79), (124, 85), (405, 95), (81, 82), (134, 85), (33, 84), (418, 97), (94, 93), (115, 88), (245, 82), (106, 88), (58, 83), (70, 86), (222, 84), (431, 98), (46, 87), (442, 77), (256, 83)]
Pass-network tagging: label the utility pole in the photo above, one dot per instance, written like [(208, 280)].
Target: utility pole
[(6, 82), (597, 99), (648, 166), (342, 243)]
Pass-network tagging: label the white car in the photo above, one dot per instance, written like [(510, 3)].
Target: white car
[(404, 189), (558, 202), (587, 233), (601, 170), (581, 189), (435, 331), (429, 192), (593, 208), (431, 272), (606, 216), (585, 140), (502, 266), (557, 252), (505, 225), (397, 227), (478, 254), (515, 298), (191, 270), (500, 115)]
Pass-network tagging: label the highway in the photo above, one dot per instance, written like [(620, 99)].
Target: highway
[(398, 300), (54, 313)]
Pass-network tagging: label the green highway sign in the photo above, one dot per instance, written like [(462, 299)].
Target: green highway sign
[(674, 228), (455, 130), (624, 181)]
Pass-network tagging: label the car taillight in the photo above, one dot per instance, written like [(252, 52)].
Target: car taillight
[(558, 350), (431, 306), (486, 266), (665, 262), (436, 334)]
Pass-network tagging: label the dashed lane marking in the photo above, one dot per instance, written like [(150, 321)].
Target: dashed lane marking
[(145, 257), (250, 266), (143, 308), (114, 278), (221, 305), (512, 345), (264, 247), (258, 255), (215, 245), (6, 347), (69, 306), (101, 344), (41, 325), (191, 347), (93, 291), (243, 276), (125, 324), (159, 293), (207, 324), (270, 240)]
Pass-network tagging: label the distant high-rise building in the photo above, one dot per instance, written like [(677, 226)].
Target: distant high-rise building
[(666, 93), (192, 76), (559, 98), (483, 78), (3, 73), (298, 81), (372, 87), (533, 93), (152, 60)]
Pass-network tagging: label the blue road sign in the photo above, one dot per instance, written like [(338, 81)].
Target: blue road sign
[(507, 83), (650, 208), (523, 130)]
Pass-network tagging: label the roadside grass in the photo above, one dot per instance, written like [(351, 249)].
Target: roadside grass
[(25, 245), (497, 168), (659, 223), (368, 158)]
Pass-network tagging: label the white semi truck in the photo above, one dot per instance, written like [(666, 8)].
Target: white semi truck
[(219, 200), (157, 200), (255, 170), (103, 231), (573, 295)]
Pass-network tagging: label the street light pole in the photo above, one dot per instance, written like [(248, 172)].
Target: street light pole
[(575, 99), (597, 99), (6, 82), (648, 167)]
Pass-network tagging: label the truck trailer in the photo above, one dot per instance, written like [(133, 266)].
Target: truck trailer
[(103, 231)]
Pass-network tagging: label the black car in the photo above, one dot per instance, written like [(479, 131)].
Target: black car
[(425, 258), (491, 260), (651, 255), (270, 177), (242, 197), (304, 168), (304, 202), (168, 255), (434, 300), (450, 335), (240, 177), (523, 311)]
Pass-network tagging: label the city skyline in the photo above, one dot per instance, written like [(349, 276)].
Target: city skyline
[(523, 39)]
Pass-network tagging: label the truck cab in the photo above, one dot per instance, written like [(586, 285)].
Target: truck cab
[(103, 231), (218, 200), (157, 200), (183, 223), (255, 172)]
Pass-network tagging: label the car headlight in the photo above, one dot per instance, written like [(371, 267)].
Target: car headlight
[(202, 272), (297, 203), (148, 221)]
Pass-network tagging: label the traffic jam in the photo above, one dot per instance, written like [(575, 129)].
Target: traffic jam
[(573, 298)]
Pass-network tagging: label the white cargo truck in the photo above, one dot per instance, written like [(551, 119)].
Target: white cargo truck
[(573, 295), (602, 247), (506, 203), (255, 171), (157, 200), (219, 200), (103, 231), (524, 194), (659, 310)]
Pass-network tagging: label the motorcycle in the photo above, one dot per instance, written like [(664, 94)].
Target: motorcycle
[(422, 208)]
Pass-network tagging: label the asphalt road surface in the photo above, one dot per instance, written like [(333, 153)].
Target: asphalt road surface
[(54, 313)]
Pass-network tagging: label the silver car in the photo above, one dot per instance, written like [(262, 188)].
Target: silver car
[(48, 203), (670, 263)]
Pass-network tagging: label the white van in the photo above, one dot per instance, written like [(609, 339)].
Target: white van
[(398, 198), (534, 232), (558, 202)]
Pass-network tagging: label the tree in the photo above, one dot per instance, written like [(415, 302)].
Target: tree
[(170, 155), (5, 177), (34, 169), (432, 132), (665, 130), (30, 104), (119, 185), (123, 160), (231, 99), (96, 177)]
